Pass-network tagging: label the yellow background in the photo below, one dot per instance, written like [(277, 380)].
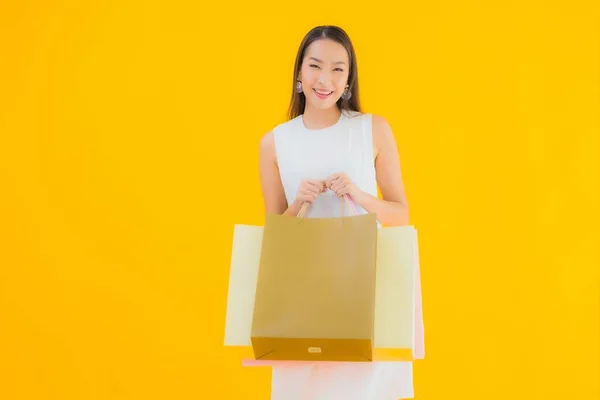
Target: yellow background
[(128, 150)]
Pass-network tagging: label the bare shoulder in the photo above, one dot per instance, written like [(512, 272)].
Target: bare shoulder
[(383, 136), (387, 162), (382, 130), (267, 146), (267, 141), (270, 180)]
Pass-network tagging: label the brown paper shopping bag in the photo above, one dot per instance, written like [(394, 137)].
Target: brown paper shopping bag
[(315, 291)]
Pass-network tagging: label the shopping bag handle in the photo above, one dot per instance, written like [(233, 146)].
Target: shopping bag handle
[(345, 199)]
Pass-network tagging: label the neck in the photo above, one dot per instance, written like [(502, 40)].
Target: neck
[(314, 118)]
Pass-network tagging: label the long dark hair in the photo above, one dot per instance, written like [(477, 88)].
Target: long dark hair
[(337, 34)]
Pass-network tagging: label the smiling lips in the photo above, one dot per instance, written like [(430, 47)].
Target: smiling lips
[(323, 94)]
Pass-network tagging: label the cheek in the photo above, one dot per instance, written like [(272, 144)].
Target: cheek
[(341, 82), (308, 76)]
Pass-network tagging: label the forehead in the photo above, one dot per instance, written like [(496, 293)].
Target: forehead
[(327, 50)]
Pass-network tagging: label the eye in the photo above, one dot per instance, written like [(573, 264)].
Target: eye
[(339, 69), (314, 65)]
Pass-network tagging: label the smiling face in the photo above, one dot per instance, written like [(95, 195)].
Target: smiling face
[(324, 73)]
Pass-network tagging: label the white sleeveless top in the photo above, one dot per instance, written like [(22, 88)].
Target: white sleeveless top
[(346, 146)]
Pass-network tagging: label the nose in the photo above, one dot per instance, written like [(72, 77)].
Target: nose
[(324, 76)]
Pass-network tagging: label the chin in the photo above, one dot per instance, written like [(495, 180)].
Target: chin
[(323, 105)]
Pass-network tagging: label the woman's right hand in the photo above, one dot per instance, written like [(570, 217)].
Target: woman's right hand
[(309, 189)]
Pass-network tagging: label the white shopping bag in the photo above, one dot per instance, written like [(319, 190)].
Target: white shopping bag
[(243, 274)]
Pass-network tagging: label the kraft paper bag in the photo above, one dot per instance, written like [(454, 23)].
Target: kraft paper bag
[(399, 328), (315, 290)]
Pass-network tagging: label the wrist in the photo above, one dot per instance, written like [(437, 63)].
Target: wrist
[(364, 200), (294, 208)]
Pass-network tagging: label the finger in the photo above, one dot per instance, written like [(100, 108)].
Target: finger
[(322, 185), (330, 179), (307, 199), (339, 192), (310, 198), (345, 185), (338, 184), (337, 176), (316, 185), (315, 189), (312, 185), (310, 188), (309, 195)]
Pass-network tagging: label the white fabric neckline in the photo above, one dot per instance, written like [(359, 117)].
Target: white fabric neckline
[(337, 123)]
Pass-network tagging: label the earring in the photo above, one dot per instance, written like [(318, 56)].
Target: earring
[(298, 87), (347, 94)]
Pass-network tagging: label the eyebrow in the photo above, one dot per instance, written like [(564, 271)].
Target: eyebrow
[(317, 60)]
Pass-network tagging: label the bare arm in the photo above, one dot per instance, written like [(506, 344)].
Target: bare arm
[(392, 209), (272, 188)]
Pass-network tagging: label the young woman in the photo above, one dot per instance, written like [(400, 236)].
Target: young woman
[(329, 148)]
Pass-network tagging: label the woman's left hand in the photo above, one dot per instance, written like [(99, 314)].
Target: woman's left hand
[(341, 184)]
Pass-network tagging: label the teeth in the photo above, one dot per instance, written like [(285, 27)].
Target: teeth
[(324, 93)]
